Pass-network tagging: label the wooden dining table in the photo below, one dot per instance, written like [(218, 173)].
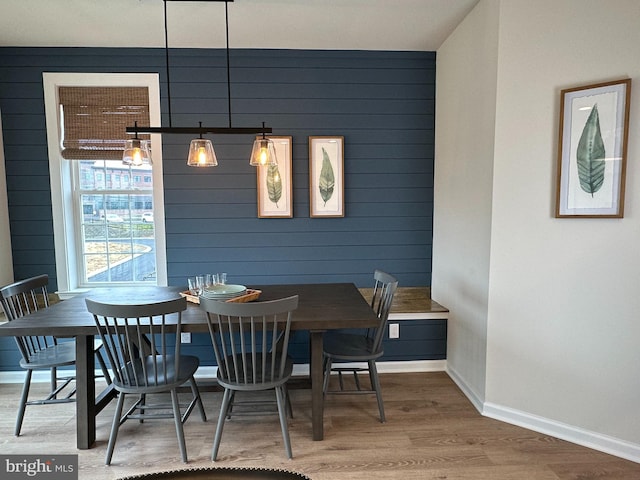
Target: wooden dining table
[(321, 307)]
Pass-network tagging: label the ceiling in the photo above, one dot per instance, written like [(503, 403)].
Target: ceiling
[(290, 24)]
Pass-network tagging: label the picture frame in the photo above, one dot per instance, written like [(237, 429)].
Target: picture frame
[(326, 176), (592, 150), (275, 191)]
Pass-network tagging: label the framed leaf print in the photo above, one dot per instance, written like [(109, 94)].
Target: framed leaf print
[(275, 183), (592, 150), (326, 176)]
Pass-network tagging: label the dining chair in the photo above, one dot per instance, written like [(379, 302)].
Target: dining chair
[(343, 347), (41, 352), (250, 342), (143, 347)]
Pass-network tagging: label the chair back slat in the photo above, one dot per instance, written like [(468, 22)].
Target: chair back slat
[(250, 340), (141, 341), (384, 289), (22, 298)]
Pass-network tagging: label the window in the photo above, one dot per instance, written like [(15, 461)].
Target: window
[(117, 246), (100, 236)]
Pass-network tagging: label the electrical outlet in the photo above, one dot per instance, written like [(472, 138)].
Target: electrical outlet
[(394, 330), (185, 337)]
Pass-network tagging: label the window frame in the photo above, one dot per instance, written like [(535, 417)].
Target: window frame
[(61, 174)]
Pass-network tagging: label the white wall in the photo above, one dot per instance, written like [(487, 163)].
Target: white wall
[(6, 260), (464, 151), (563, 308)]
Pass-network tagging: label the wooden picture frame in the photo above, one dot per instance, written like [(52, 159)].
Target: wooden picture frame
[(275, 192), (592, 150), (326, 176)]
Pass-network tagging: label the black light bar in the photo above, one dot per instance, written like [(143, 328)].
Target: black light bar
[(200, 130)]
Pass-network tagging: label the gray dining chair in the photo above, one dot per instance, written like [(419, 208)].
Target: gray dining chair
[(340, 347), (250, 342), (41, 352), (143, 347)]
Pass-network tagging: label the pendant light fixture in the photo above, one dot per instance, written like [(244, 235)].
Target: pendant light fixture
[(264, 152), (201, 152), (136, 152)]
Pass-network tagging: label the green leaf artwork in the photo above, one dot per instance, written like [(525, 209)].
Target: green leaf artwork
[(327, 180), (590, 154), (274, 184)]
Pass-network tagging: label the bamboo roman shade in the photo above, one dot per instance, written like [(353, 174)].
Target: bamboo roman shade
[(94, 120)]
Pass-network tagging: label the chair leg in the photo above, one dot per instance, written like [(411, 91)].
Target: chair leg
[(224, 407), (143, 402), (114, 428), (230, 407), (375, 383), (280, 397), (288, 399), (23, 402), (327, 374), (177, 417), (196, 394), (54, 380)]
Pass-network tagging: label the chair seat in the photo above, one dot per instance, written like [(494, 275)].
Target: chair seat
[(156, 376), (257, 383), (349, 346), (53, 356)]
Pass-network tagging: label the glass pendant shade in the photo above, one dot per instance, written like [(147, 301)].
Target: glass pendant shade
[(263, 153), (201, 153), (136, 153)]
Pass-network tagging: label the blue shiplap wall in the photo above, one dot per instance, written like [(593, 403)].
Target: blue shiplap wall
[(381, 102)]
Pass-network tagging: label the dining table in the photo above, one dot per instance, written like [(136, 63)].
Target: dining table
[(321, 307)]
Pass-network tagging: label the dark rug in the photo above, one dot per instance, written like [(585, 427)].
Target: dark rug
[(222, 473)]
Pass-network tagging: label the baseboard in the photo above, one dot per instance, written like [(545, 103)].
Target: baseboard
[(412, 366), (570, 433), (38, 376), (468, 392)]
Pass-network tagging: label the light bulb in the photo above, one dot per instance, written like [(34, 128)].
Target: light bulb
[(137, 157), (202, 156), (264, 154)]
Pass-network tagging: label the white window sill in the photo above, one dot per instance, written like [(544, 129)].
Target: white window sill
[(71, 293)]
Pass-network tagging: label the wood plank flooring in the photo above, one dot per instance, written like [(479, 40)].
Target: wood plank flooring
[(432, 432)]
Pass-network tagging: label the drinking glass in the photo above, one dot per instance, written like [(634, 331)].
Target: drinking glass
[(200, 279), (222, 278), (193, 286)]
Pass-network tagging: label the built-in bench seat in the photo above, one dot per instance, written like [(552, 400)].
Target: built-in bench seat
[(412, 303)]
